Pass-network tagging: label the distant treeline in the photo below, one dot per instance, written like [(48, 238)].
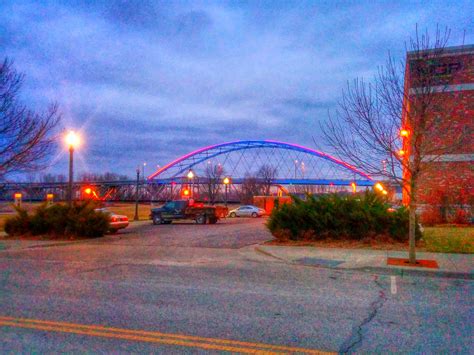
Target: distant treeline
[(85, 177)]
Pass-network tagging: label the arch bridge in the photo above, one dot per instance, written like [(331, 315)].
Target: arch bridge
[(250, 165), (271, 162)]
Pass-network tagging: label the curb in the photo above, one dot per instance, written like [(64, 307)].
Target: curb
[(410, 272), (53, 244), (394, 271)]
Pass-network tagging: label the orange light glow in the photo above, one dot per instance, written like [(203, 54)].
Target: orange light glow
[(354, 187), (49, 196), (385, 192), (404, 133), (18, 195), (226, 181), (401, 152), (186, 192), (379, 186), (88, 190)]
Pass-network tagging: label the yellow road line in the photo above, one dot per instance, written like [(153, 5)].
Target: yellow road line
[(150, 336), (133, 337)]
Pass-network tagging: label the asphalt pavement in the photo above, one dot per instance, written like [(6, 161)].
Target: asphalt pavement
[(192, 289)]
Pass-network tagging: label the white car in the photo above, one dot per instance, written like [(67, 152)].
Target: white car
[(117, 221), (247, 211)]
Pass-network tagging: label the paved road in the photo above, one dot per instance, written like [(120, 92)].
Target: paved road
[(196, 288), (228, 233)]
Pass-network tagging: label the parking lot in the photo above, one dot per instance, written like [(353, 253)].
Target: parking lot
[(229, 233)]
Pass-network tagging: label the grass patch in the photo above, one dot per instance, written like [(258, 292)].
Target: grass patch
[(449, 239)]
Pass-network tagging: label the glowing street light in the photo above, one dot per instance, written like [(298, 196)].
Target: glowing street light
[(354, 187), (190, 178), (72, 141), (404, 133), (385, 192), (379, 187), (226, 182), (401, 152)]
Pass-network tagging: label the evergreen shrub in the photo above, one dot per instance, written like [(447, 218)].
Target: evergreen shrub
[(353, 217), (79, 220)]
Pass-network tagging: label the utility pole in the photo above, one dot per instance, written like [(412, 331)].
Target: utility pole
[(136, 195)]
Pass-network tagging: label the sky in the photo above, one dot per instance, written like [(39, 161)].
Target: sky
[(148, 81)]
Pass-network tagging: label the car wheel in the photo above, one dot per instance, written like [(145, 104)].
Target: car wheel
[(254, 214), (113, 231), (168, 222), (232, 215), (201, 219), (157, 219)]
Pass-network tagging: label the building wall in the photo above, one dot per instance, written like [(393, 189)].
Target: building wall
[(451, 117)]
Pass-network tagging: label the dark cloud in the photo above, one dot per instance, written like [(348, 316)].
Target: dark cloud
[(151, 80)]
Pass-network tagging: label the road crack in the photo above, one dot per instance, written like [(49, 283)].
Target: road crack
[(356, 337)]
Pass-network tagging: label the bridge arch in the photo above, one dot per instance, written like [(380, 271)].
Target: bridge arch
[(179, 167)]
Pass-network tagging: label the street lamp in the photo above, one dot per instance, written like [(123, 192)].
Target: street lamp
[(143, 171), (226, 182), (72, 141), (135, 218), (190, 178)]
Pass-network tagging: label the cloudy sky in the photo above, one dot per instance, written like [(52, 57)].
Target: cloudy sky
[(152, 80)]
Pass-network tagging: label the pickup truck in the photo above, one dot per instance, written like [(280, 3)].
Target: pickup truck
[(187, 209)]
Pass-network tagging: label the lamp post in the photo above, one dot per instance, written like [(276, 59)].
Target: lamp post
[(143, 171), (190, 178), (72, 140), (226, 182), (135, 218)]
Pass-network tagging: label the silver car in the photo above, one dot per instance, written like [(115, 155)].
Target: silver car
[(247, 211)]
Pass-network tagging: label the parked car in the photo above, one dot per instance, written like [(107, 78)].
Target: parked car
[(247, 211), (117, 221)]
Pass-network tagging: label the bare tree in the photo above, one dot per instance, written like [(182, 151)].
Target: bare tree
[(370, 118), (266, 175), (249, 188), (26, 137), (214, 174), (51, 178), (107, 176)]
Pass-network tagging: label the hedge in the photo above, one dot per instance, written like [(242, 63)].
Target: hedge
[(352, 217), (79, 220)]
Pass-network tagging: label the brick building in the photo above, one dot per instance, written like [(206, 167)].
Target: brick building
[(449, 174)]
